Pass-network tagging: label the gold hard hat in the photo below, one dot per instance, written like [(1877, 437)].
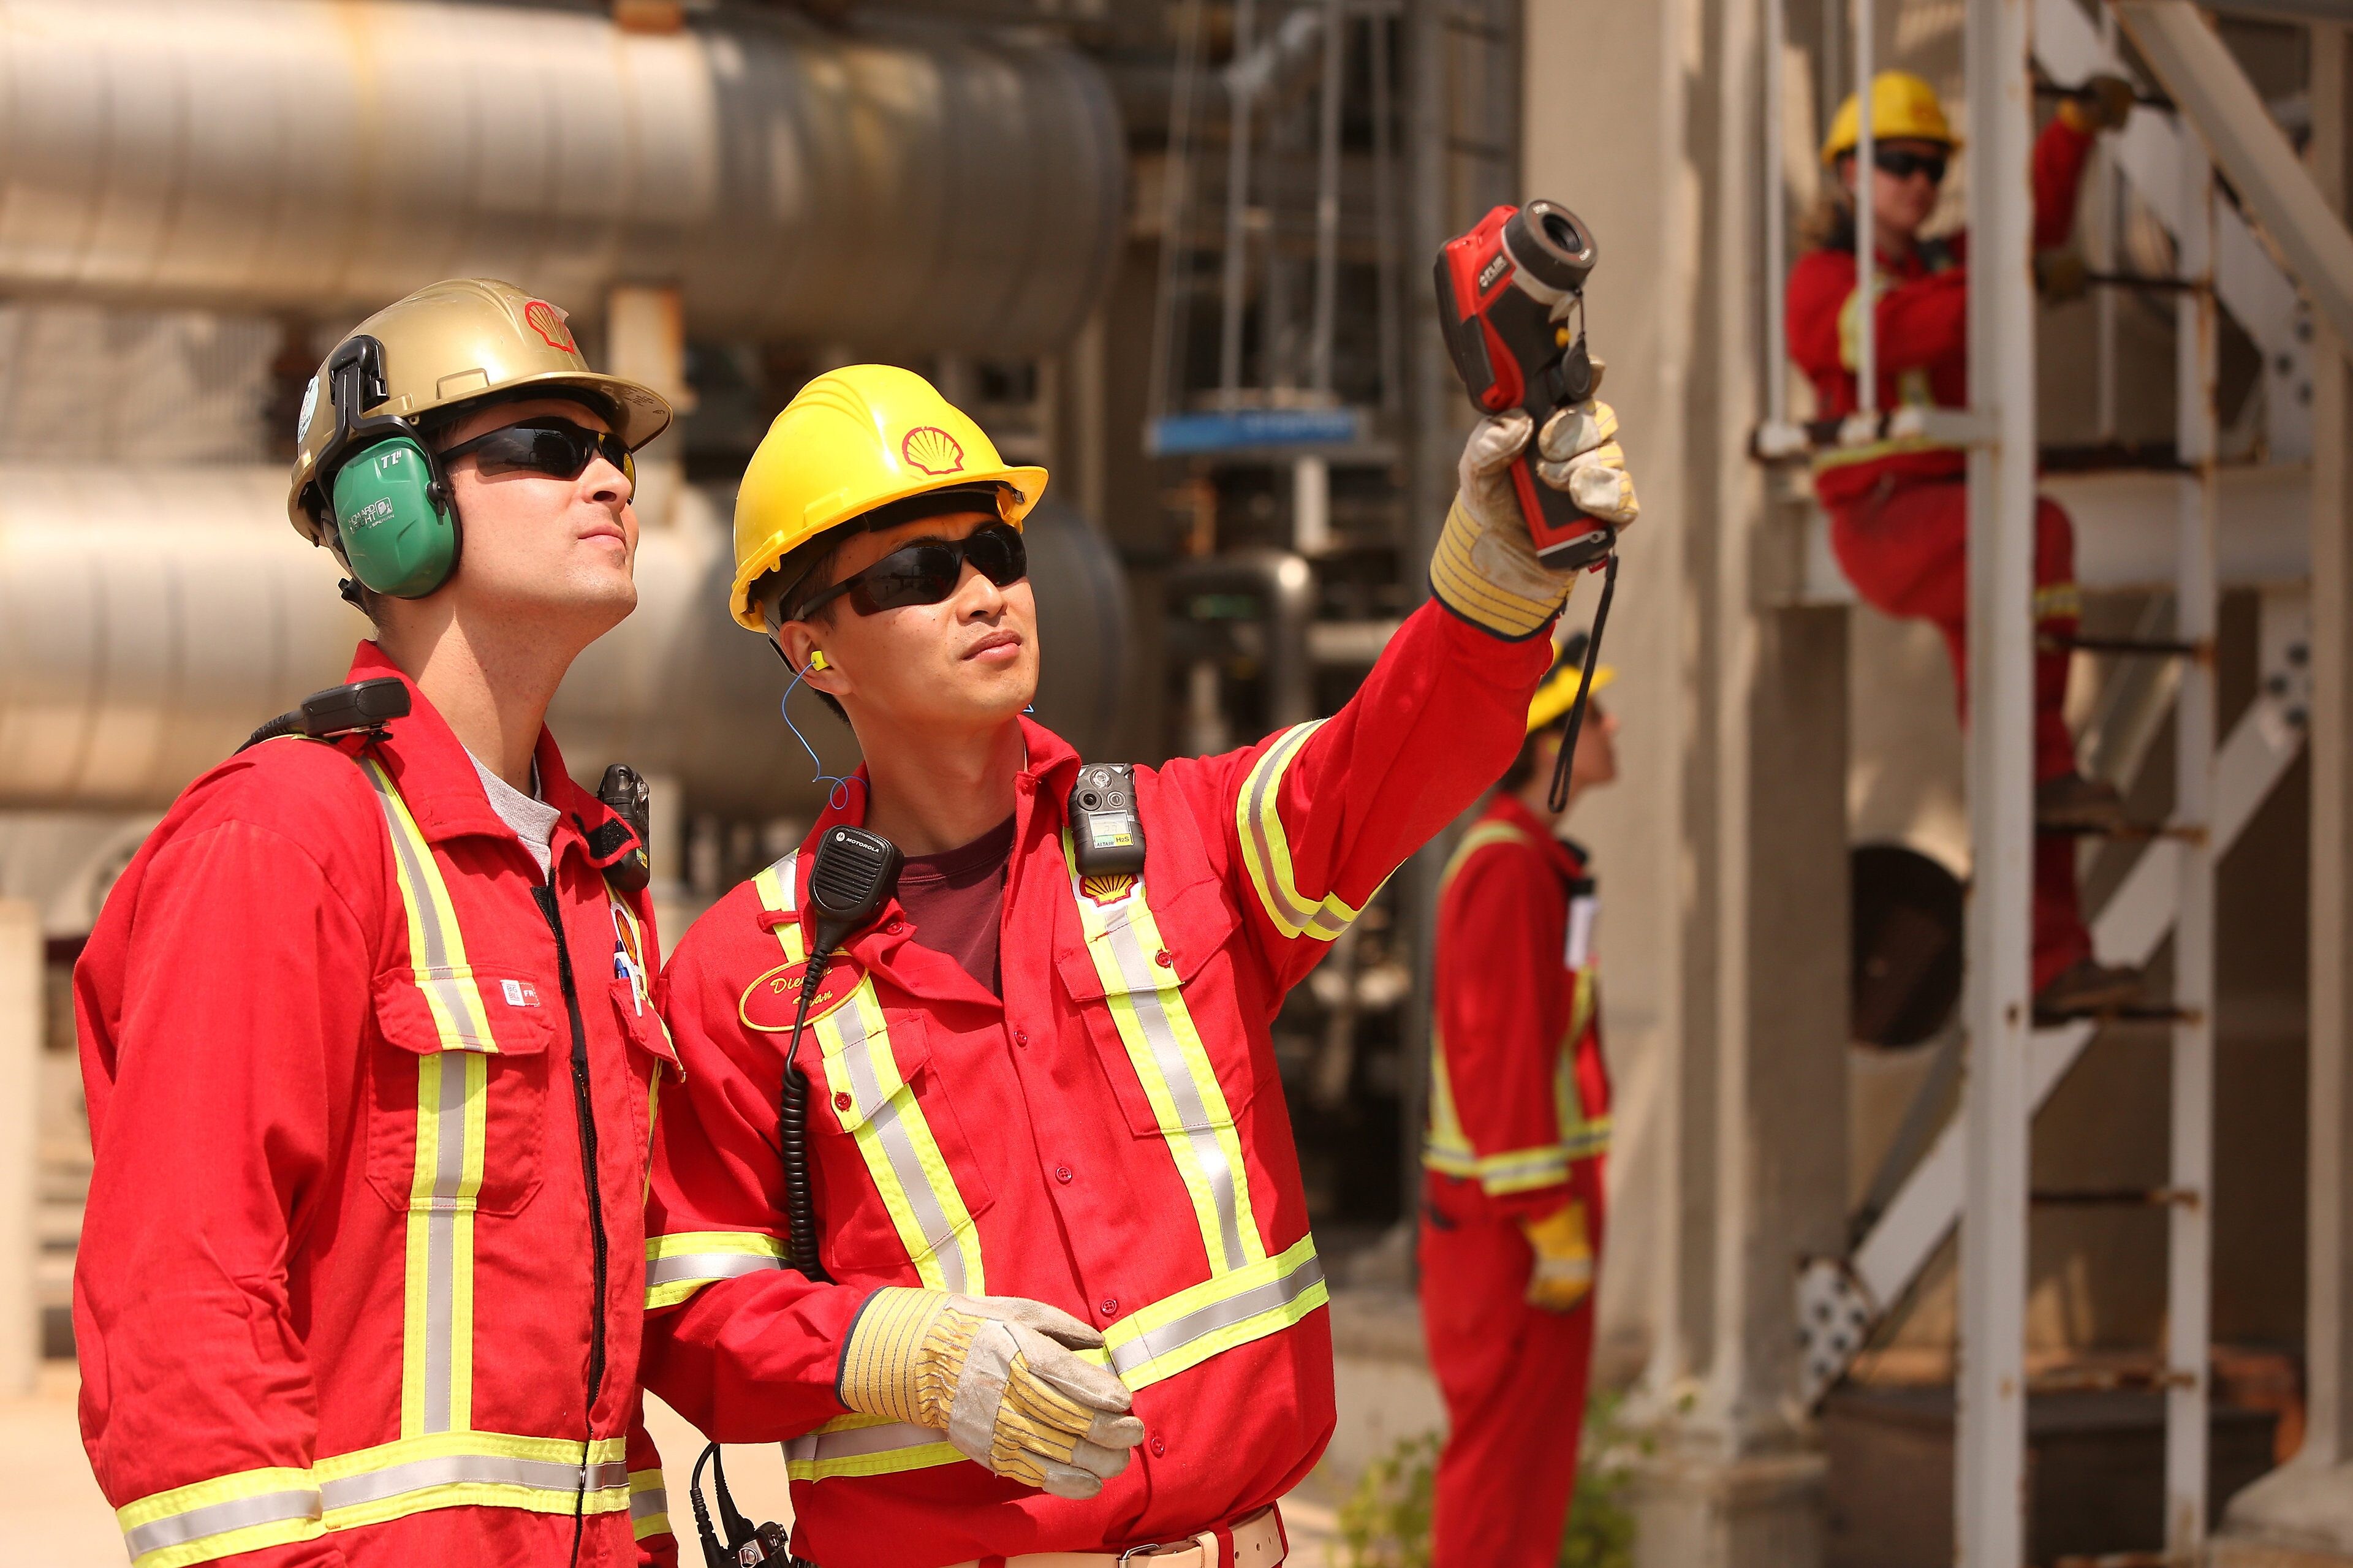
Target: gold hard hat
[(456, 342), (1904, 108), (854, 439)]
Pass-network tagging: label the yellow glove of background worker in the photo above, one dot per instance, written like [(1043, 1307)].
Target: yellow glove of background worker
[(1564, 1272), (2102, 103), (995, 1373), (1485, 567)]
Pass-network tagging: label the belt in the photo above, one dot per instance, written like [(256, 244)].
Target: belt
[(1256, 1541)]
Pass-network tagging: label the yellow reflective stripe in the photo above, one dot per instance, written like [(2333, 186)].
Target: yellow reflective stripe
[(436, 1382), (1147, 1006), (1151, 1345), (648, 1504), (775, 886), (1177, 1334), (1444, 1145), (217, 1518), (1850, 326), (1266, 849), (1871, 452), (860, 1444), (2058, 602), (678, 1266), (473, 1469), (896, 1143), (1481, 836)]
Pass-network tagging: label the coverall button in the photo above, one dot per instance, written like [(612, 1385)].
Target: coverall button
[(842, 1101), (1108, 1306), (894, 928), (1164, 959), (1062, 1175), (1021, 1037), (1158, 1447)]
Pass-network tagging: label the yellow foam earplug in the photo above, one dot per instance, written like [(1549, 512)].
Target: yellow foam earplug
[(817, 661)]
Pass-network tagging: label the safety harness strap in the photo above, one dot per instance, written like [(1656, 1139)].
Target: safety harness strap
[(1146, 1001)]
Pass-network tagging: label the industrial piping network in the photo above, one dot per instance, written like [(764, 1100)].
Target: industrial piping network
[(931, 191)]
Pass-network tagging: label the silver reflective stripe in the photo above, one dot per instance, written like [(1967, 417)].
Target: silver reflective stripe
[(1169, 1057), (860, 1038), (706, 1266), (435, 972), (859, 1441), (1264, 779), (648, 1504), (1203, 1321), (457, 1470), (218, 1519), (441, 1240)]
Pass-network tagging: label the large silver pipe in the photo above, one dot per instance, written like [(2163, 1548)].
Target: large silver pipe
[(149, 619), (908, 190)]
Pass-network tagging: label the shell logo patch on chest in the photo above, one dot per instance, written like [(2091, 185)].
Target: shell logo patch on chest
[(769, 1003)]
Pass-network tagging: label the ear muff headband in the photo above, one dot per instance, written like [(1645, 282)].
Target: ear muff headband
[(384, 494)]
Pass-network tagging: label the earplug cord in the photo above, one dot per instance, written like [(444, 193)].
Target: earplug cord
[(837, 797)]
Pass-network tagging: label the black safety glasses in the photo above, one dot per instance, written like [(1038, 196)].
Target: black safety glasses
[(1903, 164), (928, 570), (557, 447)]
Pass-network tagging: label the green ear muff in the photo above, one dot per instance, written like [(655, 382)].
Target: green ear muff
[(400, 540)]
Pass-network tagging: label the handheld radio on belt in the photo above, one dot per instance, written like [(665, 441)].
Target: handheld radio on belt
[(855, 875), (1505, 292)]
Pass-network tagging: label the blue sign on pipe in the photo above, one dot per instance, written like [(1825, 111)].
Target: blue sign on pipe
[(1247, 429)]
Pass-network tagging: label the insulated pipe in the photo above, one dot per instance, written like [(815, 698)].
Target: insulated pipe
[(916, 191), (149, 619)]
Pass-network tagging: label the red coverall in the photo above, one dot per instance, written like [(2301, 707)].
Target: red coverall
[(1899, 509), (1519, 1125), (1111, 1138), (335, 1301)]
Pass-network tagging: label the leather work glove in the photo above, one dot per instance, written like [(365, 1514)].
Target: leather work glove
[(1563, 1248), (2061, 275), (995, 1373), (2104, 102), (1486, 567)]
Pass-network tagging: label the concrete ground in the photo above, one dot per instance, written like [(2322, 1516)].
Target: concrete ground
[(69, 1524)]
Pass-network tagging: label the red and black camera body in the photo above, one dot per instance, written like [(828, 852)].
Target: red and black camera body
[(1505, 292)]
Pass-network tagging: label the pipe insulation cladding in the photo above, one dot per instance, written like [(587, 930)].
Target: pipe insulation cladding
[(151, 618), (899, 187)]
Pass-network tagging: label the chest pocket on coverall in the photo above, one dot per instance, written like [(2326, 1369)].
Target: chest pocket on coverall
[(478, 1111)]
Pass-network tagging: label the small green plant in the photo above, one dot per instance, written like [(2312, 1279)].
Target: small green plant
[(1384, 1523)]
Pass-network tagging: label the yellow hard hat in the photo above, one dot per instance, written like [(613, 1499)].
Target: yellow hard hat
[(1558, 693), (852, 440), (1904, 107), (458, 342)]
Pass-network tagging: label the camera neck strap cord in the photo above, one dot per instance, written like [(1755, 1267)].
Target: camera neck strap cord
[(1558, 799)]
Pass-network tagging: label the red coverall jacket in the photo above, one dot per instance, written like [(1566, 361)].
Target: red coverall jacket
[(1519, 1099), (335, 1302), (1923, 322), (1111, 1139)]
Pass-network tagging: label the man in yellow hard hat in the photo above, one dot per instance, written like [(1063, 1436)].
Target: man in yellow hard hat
[(365, 1030), (1519, 1120), (1899, 508), (1056, 1293)]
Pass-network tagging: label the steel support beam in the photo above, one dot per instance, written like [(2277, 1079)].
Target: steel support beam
[(1990, 1381)]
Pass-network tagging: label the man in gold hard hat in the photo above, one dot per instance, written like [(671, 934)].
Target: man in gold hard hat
[(1060, 1295), (365, 1030), (1519, 1123), (1898, 507)]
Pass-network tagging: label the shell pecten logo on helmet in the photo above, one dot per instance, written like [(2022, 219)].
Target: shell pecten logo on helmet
[(852, 440), (549, 323), (932, 449)]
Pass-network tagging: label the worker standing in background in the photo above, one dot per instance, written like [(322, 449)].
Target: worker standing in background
[(367, 1031), (1519, 1123), (1899, 508), (1063, 1298)]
